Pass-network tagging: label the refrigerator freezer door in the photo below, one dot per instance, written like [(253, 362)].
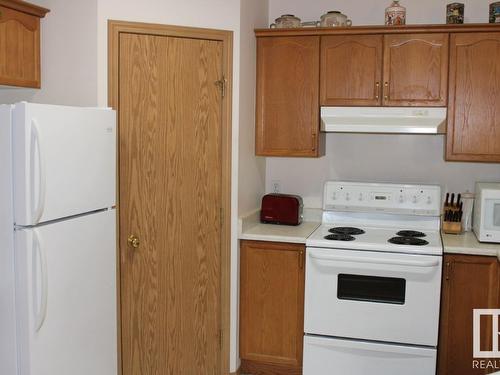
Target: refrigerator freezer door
[(66, 297), (64, 161), (330, 356), (8, 363)]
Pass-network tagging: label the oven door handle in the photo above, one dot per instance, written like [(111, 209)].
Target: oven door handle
[(392, 262)]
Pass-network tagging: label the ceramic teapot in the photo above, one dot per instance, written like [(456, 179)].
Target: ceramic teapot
[(286, 21), (334, 18)]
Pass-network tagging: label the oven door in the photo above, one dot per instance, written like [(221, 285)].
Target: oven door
[(327, 356), (372, 295)]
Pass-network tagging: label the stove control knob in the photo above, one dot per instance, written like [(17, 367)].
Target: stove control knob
[(401, 199), (414, 200), (347, 196)]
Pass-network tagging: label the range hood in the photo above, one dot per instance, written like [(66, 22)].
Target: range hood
[(401, 120)]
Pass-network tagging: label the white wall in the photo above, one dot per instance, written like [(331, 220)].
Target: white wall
[(68, 56), (251, 168), (371, 12), (377, 158), (251, 179), (389, 158)]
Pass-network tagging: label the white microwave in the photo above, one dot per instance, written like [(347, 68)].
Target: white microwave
[(486, 222)]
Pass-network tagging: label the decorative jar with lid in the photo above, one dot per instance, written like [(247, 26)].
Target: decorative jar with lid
[(286, 21), (395, 14)]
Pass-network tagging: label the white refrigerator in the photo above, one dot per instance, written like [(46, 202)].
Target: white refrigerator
[(58, 246)]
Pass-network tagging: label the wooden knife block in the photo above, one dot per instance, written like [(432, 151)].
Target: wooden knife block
[(452, 227)]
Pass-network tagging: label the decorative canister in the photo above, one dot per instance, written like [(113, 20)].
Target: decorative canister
[(395, 14), (334, 18), (455, 13), (286, 21), (495, 12)]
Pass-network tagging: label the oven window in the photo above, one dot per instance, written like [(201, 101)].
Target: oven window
[(371, 289)]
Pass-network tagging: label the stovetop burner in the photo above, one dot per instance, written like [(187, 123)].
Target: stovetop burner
[(346, 230), (339, 237), (408, 241), (410, 233)]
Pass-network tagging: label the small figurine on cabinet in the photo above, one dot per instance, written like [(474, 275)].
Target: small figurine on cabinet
[(395, 14), (455, 13)]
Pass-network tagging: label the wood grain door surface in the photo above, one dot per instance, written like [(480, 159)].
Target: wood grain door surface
[(19, 48), (469, 282), (170, 198), (415, 70), (272, 306), (287, 120), (351, 70), (474, 112)]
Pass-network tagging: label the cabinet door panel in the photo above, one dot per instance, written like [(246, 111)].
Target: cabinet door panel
[(287, 120), (469, 282), (351, 70), (474, 111), (415, 70), (272, 303), (19, 48)]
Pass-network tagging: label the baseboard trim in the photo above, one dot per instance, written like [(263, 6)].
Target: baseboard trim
[(259, 368), (238, 372)]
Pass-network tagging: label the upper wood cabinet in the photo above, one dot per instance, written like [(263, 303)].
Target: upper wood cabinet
[(351, 70), (469, 282), (390, 70), (271, 307), (287, 118), (20, 43), (474, 106), (415, 70)]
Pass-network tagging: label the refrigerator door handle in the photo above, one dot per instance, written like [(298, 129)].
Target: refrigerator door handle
[(41, 312), (35, 140)]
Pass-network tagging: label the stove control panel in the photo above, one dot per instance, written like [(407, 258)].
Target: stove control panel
[(385, 198)]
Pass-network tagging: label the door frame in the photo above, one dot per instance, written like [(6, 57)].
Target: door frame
[(115, 28)]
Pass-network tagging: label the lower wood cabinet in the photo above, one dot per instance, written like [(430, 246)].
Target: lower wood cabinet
[(271, 307), (469, 282)]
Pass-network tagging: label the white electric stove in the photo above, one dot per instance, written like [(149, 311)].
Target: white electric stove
[(373, 281)]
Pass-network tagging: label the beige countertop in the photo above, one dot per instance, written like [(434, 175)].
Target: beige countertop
[(250, 228), (467, 243)]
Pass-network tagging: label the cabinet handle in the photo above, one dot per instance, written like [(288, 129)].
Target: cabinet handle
[(377, 90), (386, 90), (448, 270), (301, 259), (313, 139)]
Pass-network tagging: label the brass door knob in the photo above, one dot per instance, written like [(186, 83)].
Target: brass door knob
[(133, 241)]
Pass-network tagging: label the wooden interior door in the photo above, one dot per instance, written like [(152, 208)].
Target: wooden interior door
[(415, 70), (474, 112), (469, 282), (351, 70), (171, 199)]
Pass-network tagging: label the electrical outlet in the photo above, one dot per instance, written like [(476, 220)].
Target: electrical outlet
[(276, 186)]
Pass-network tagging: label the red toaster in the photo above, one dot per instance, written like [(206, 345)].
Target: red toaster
[(281, 209)]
